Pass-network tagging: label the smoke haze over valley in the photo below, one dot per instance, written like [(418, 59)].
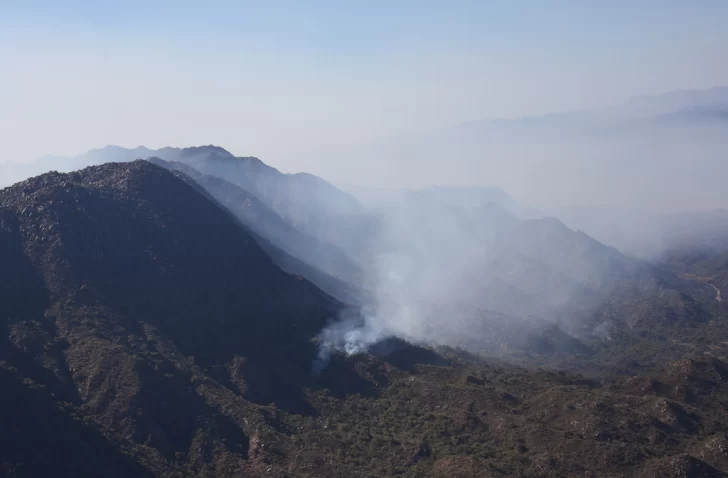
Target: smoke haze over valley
[(442, 265), (379, 239)]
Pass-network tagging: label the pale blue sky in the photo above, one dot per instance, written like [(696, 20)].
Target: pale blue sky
[(300, 84)]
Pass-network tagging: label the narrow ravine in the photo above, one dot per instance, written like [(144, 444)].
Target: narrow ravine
[(704, 280), (718, 295)]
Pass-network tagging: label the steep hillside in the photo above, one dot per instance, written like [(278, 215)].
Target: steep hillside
[(494, 260), (126, 295), (306, 202), (486, 280), (270, 226)]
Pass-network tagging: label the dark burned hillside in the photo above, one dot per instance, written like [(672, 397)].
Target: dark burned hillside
[(120, 280), (290, 249), (147, 247), (145, 333)]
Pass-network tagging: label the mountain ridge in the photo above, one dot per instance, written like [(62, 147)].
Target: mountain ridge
[(148, 332), (290, 248)]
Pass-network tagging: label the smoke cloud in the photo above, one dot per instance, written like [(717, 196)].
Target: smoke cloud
[(448, 265)]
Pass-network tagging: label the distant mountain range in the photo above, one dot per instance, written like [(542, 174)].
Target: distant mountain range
[(651, 236), (674, 111)]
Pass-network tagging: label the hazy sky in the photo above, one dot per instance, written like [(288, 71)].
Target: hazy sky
[(299, 84)]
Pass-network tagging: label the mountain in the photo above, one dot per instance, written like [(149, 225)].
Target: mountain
[(146, 332), (307, 202), (476, 236), (648, 235), (680, 100), (338, 274), (684, 108), (125, 292), (584, 285), (495, 260), (497, 285)]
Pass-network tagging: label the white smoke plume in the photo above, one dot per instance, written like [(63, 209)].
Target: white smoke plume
[(424, 258)]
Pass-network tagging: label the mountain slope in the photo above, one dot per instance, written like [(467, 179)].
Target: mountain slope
[(132, 298), (146, 333), (495, 284), (495, 260), (307, 202), (269, 225)]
